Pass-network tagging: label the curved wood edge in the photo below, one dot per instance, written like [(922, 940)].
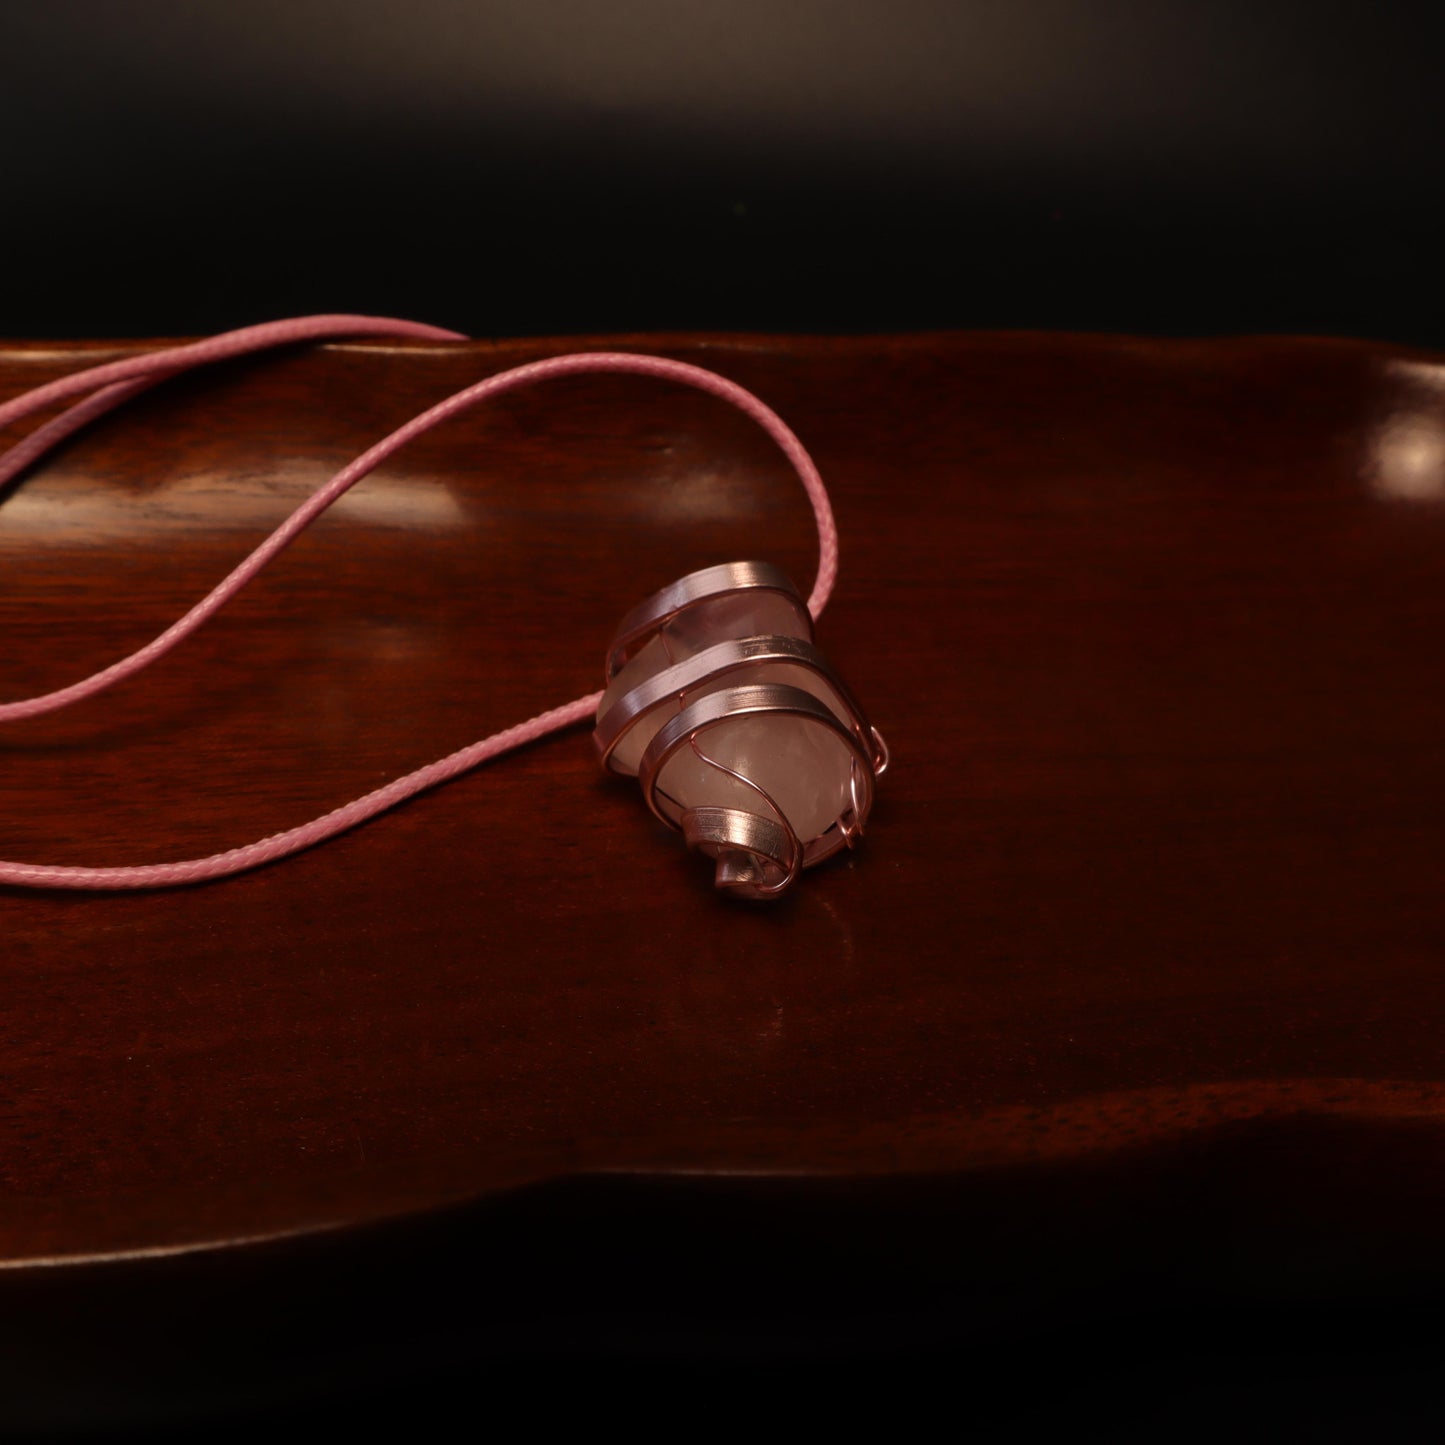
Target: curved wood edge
[(1063, 1117)]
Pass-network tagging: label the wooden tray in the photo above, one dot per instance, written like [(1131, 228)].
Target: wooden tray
[(1148, 930)]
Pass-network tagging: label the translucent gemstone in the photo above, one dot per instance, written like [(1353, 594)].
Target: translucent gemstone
[(757, 612), (799, 765)]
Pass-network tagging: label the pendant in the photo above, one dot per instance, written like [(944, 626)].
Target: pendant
[(741, 735)]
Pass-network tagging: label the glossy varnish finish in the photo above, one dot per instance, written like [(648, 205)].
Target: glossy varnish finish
[(1153, 629)]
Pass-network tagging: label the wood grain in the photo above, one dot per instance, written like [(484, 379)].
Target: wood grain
[(1153, 629)]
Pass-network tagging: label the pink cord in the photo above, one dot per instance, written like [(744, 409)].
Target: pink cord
[(107, 386)]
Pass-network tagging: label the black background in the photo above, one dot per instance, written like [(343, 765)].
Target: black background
[(563, 167)]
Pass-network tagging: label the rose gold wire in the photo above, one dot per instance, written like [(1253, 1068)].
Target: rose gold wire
[(795, 855)]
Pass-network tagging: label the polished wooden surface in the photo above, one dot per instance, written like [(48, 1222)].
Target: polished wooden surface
[(1154, 630)]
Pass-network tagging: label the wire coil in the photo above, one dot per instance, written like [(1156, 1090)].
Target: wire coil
[(742, 736)]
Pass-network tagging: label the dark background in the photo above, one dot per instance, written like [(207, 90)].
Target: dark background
[(558, 166)]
